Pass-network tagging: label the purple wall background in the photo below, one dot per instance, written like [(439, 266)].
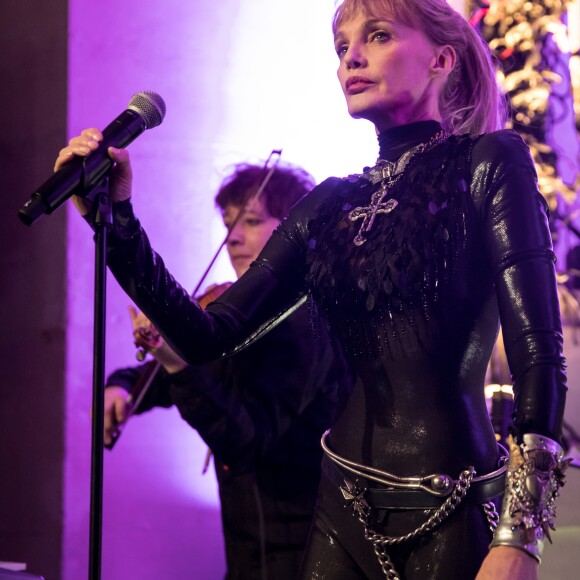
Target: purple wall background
[(234, 75), (239, 78)]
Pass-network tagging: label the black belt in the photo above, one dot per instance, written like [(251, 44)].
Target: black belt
[(411, 499)]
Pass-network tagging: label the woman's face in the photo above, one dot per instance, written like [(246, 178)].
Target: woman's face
[(250, 233), (389, 73)]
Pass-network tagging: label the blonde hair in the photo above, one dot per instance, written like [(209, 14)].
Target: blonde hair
[(470, 101)]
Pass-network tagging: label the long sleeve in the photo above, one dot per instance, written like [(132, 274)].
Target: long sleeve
[(272, 284), (157, 394), (518, 241), (278, 394), (125, 377)]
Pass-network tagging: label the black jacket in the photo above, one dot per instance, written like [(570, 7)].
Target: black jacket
[(262, 413)]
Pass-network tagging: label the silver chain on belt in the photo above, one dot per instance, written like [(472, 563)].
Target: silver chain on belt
[(355, 497)]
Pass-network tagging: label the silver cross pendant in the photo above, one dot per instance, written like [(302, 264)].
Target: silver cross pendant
[(369, 213)]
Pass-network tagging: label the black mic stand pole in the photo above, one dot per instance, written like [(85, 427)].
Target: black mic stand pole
[(103, 221)]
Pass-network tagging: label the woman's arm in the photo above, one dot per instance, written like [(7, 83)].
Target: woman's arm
[(273, 283), (519, 246)]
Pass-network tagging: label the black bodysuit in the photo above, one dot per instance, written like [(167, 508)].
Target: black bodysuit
[(415, 308)]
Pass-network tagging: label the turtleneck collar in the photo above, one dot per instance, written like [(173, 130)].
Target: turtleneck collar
[(394, 142)]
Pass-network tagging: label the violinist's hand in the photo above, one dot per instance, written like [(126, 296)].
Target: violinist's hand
[(507, 563), (121, 175), (155, 344), (116, 412)]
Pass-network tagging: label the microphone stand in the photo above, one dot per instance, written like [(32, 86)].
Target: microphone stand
[(103, 222)]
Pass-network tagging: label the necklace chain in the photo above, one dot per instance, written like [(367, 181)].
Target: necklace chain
[(388, 174)]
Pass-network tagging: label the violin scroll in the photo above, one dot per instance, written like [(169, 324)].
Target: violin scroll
[(146, 339)]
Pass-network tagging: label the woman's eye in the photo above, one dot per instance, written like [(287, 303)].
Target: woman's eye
[(341, 50), (253, 222), (379, 36)]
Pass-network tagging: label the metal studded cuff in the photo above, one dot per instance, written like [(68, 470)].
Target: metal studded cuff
[(535, 473)]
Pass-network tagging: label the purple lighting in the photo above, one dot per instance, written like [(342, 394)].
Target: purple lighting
[(238, 79)]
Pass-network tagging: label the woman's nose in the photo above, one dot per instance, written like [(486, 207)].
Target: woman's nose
[(354, 57), (236, 236)]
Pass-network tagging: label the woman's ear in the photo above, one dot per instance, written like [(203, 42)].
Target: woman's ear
[(444, 61)]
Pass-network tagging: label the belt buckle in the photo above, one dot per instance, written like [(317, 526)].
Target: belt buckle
[(355, 498)]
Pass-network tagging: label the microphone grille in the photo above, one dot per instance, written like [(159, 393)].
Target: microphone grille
[(150, 106)]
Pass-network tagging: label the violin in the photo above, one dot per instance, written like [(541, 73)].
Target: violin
[(212, 294), (147, 339)]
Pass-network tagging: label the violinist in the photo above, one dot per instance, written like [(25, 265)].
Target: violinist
[(262, 411)]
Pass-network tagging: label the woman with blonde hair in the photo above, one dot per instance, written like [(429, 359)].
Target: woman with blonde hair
[(412, 263)]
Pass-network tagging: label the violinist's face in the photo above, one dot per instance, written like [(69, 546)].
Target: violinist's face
[(249, 235), (387, 71)]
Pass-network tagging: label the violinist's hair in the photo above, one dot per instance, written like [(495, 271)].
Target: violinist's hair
[(470, 101), (285, 187)]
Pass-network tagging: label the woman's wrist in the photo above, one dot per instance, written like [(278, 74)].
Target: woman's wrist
[(535, 474)]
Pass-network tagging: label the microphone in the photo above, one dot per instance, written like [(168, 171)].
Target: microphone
[(82, 174)]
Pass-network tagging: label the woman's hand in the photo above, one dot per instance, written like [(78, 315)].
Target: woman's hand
[(121, 175), (506, 563), (116, 408), (156, 345)]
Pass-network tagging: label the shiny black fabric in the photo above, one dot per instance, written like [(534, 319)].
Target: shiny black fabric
[(417, 404), (337, 548), (262, 412)]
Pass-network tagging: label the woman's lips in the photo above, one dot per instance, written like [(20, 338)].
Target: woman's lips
[(357, 84)]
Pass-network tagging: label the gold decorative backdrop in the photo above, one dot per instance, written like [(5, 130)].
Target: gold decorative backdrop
[(536, 47)]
